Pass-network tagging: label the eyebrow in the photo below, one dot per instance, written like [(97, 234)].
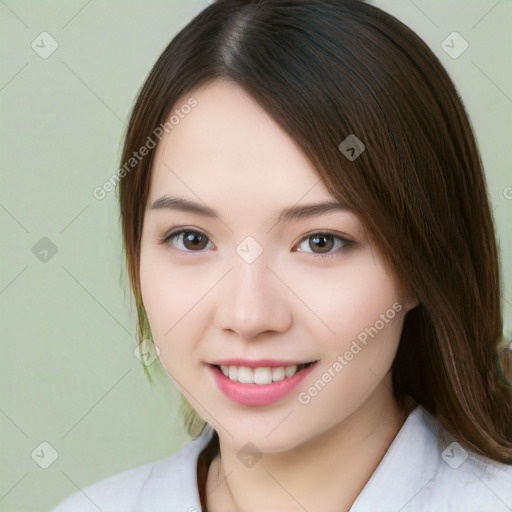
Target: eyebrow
[(294, 213)]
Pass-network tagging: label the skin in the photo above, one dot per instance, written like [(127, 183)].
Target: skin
[(208, 304)]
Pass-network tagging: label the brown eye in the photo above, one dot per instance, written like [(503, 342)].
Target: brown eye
[(194, 241), (325, 245), (323, 242), (187, 240)]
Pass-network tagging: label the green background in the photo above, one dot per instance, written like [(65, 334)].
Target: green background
[(69, 375)]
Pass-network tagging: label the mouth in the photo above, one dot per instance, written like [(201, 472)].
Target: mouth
[(259, 385), (261, 375)]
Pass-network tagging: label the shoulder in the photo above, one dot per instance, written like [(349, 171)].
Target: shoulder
[(425, 469), (464, 480), (170, 481)]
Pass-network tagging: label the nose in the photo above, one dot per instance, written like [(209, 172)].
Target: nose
[(254, 301)]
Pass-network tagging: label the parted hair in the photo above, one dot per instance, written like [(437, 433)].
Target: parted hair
[(324, 69)]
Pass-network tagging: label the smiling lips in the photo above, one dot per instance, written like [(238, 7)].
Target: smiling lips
[(258, 382), (260, 375)]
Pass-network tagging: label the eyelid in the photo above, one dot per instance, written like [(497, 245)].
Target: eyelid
[(346, 241), (329, 232), (175, 232)]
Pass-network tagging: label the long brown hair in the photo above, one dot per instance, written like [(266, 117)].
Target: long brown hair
[(325, 69)]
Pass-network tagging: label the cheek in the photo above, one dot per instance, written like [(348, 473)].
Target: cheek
[(167, 292), (171, 296), (349, 299), (163, 295), (372, 309), (155, 291), (366, 313)]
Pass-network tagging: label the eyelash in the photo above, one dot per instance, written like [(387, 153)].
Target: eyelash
[(346, 243)]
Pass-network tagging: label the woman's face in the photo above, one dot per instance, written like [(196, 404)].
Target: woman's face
[(255, 284)]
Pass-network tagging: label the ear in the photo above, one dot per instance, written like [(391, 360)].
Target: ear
[(410, 301)]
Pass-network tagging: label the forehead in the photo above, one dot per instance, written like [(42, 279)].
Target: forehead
[(228, 145)]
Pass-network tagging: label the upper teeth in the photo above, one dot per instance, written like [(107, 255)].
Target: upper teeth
[(262, 375)]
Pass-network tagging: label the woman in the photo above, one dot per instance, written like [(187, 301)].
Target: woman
[(310, 246)]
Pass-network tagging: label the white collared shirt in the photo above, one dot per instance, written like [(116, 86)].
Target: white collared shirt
[(423, 470)]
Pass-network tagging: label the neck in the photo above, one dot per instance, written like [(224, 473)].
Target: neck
[(325, 473)]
